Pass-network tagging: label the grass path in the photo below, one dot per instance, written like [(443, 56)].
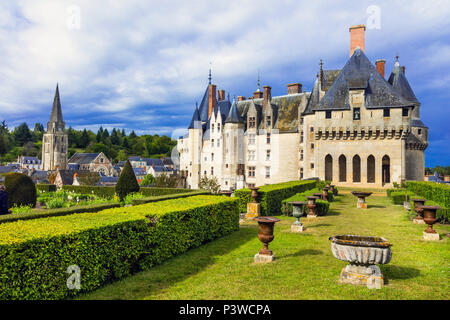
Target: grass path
[(305, 267)]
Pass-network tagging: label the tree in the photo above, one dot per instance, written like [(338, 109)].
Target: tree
[(84, 139), (29, 149), (125, 144), (115, 139), (210, 184), (127, 182), (21, 190), (22, 134), (148, 180), (2, 145), (100, 134)]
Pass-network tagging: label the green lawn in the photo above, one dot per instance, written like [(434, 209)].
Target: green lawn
[(305, 267)]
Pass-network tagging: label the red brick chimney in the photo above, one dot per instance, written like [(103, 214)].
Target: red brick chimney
[(294, 88), (221, 95), (380, 63), (258, 94), (240, 98), (403, 69), (357, 37), (212, 99), (267, 95)]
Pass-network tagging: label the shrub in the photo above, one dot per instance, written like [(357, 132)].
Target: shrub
[(127, 182), (323, 207), (21, 209), (132, 196), (106, 245), (46, 187), (54, 203), (21, 190), (398, 197), (436, 192), (57, 212), (271, 196), (148, 180), (135, 202)]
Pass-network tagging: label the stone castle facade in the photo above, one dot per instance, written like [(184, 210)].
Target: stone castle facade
[(355, 128), (55, 141)]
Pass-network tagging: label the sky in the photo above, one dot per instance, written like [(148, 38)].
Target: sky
[(142, 65)]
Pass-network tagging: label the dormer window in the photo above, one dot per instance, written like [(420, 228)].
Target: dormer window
[(328, 114), (405, 112), (268, 121), (252, 122), (386, 112), (356, 114)]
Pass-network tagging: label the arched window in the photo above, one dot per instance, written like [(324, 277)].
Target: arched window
[(356, 169), (371, 169), (329, 167), (342, 168), (386, 169)]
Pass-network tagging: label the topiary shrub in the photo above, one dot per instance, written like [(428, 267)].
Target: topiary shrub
[(20, 189), (127, 182)]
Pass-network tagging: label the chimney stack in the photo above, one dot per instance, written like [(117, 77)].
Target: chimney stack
[(258, 94), (240, 98), (380, 63), (212, 99), (221, 95), (357, 37), (403, 69), (294, 88), (267, 95)]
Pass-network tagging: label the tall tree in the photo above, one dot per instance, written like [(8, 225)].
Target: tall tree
[(100, 134), (84, 139), (22, 134)]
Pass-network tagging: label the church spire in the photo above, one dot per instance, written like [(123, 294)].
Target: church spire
[(56, 110)]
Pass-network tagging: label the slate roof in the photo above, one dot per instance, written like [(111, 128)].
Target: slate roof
[(6, 169), (224, 108), (161, 169), (196, 121), (233, 115), (314, 99), (83, 158), (153, 161), (204, 106), (328, 78), (360, 73), (107, 179), (29, 160), (399, 82), (139, 171)]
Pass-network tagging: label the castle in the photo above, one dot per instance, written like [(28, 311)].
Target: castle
[(355, 128)]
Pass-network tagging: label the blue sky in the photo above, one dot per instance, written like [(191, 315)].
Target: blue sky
[(142, 65)]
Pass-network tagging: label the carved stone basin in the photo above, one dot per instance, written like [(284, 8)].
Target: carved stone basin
[(361, 198), (362, 253)]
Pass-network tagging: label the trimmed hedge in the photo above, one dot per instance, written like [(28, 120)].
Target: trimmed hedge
[(46, 187), (389, 191), (398, 197), (105, 245), (167, 197), (57, 212), (271, 196), (109, 192), (20, 189), (437, 192), (127, 182)]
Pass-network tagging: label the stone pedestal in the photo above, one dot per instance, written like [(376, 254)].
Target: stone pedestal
[(262, 258), (431, 236), (253, 210), (418, 221), (297, 227), (369, 276), (311, 216), (361, 204)]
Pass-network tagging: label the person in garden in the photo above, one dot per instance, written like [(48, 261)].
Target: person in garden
[(3, 200)]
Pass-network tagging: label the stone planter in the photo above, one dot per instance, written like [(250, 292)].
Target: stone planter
[(253, 208), (227, 193), (325, 193), (254, 194), (265, 235), (418, 203), (297, 212), (312, 213), (429, 216), (361, 198), (362, 253)]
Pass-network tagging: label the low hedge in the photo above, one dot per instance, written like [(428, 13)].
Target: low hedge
[(167, 197), (271, 196), (46, 187), (323, 206), (389, 191), (109, 192), (105, 245), (398, 197), (57, 212)]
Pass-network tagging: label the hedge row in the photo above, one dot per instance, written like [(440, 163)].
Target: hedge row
[(442, 215), (271, 196), (46, 187), (398, 197), (57, 212), (167, 197), (105, 245), (437, 192), (322, 209), (108, 192)]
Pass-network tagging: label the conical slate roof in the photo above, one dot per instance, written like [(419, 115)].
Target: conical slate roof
[(233, 115), (360, 73), (56, 109), (399, 82), (314, 99), (195, 122), (204, 106)]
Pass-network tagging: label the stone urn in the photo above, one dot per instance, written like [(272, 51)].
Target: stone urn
[(325, 193), (333, 189), (429, 216), (312, 212), (265, 235), (297, 212), (227, 193), (254, 193), (361, 198), (363, 254), (418, 203)]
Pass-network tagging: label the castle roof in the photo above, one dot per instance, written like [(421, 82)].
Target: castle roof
[(203, 110), (195, 119), (399, 82), (83, 158), (233, 115)]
